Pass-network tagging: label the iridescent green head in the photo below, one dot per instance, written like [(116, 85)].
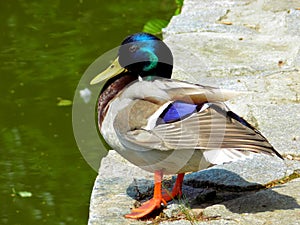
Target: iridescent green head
[(145, 54), (140, 54)]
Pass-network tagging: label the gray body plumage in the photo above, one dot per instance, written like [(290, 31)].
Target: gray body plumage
[(204, 138)]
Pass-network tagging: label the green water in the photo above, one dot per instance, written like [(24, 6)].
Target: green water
[(45, 47)]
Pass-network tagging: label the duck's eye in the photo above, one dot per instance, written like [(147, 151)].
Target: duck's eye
[(133, 48)]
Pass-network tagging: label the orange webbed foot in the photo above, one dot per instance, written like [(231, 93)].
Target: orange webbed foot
[(154, 203), (146, 208)]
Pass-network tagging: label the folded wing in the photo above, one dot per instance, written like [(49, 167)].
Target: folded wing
[(188, 117)]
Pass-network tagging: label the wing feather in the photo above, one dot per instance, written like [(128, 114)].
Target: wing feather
[(204, 130), (213, 129)]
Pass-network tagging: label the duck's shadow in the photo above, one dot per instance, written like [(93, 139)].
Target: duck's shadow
[(238, 197)]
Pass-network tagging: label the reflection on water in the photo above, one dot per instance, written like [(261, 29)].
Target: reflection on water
[(45, 48)]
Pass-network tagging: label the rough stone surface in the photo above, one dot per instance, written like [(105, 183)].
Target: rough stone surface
[(227, 194), (249, 46), (272, 206)]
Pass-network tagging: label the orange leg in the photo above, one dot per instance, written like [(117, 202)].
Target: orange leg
[(152, 204), (177, 189)]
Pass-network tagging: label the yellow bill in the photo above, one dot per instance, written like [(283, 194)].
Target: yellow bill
[(113, 70)]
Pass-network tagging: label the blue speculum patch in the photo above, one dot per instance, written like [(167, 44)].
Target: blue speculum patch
[(177, 111)]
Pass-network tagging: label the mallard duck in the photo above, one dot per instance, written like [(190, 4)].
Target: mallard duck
[(168, 126)]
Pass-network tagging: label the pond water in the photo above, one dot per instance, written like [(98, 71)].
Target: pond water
[(45, 48)]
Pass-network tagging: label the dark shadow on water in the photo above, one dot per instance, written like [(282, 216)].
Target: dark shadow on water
[(200, 192)]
